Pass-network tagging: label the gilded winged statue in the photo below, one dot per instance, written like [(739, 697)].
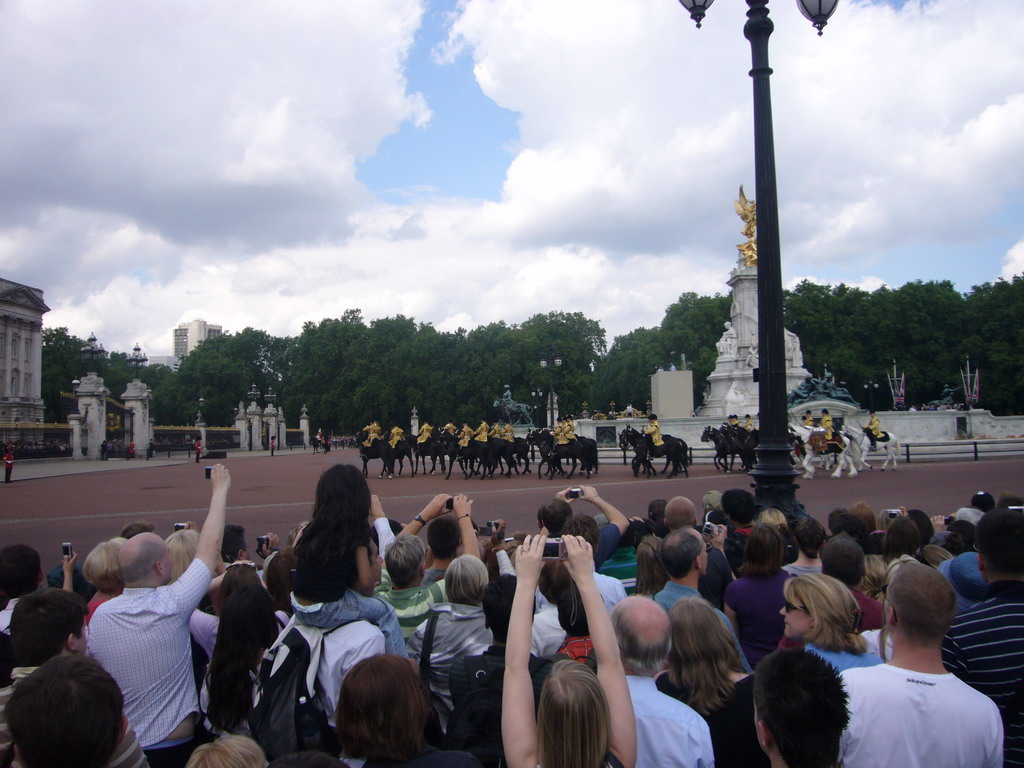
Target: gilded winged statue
[(747, 210)]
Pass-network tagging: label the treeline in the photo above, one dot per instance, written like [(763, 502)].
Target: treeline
[(347, 371)]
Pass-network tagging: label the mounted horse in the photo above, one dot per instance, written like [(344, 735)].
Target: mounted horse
[(378, 449), (890, 444), (728, 447), (404, 449), (552, 454), (815, 447), (432, 448), (673, 450)]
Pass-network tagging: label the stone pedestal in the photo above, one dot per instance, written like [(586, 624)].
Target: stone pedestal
[(304, 426), (136, 399), (414, 422), (672, 394), (92, 410), (731, 387)]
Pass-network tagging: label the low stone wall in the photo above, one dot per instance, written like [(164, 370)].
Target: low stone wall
[(909, 426)]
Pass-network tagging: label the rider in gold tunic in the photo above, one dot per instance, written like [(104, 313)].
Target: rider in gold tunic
[(748, 423), (450, 428), (569, 428), (808, 419), (424, 434), (654, 430), (372, 433), (559, 433), (397, 433), (481, 432), (874, 430), (466, 435), (830, 435), (508, 433)]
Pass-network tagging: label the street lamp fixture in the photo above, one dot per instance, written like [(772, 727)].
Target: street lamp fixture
[(869, 388), (254, 394), (774, 474), (137, 360), (92, 351)]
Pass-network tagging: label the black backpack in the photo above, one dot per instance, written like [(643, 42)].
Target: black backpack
[(288, 715), (474, 725)]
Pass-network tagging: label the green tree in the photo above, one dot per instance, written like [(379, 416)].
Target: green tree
[(61, 363)]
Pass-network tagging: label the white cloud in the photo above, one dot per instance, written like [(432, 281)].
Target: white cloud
[(1013, 261), (169, 161)]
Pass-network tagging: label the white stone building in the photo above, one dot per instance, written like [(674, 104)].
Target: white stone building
[(21, 347)]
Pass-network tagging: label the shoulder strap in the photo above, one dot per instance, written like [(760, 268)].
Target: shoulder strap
[(428, 647)]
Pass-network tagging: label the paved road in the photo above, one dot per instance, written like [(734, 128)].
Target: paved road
[(86, 502)]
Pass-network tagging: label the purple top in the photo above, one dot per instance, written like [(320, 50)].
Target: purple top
[(756, 603)]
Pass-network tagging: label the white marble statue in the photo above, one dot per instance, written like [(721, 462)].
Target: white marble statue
[(794, 357), (727, 345)]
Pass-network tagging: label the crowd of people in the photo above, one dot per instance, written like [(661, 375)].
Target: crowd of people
[(692, 635)]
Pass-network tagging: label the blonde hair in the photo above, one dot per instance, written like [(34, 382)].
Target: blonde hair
[(874, 576), (703, 656), (465, 580), (833, 608), (228, 752), (182, 546), (573, 720), (773, 517), (101, 568), (651, 577)]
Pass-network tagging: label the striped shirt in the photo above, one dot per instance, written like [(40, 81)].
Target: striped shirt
[(412, 604), (985, 649)]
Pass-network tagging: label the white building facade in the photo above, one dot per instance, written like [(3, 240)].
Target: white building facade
[(188, 336), (21, 350)]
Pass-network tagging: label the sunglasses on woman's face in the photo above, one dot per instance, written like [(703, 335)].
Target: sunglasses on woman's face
[(790, 607)]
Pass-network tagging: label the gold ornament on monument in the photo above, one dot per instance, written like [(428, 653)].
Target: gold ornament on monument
[(747, 210)]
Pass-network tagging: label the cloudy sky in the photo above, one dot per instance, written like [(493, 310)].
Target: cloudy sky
[(265, 163)]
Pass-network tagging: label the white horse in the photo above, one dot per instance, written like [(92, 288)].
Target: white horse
[(891, 448), (842, 457)]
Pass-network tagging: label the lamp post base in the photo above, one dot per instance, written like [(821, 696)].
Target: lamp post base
[(773, 481)]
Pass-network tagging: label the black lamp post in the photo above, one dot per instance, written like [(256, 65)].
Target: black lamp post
[(774, 473), (550, 362), (870, 388), (92, 353), (137, 360)]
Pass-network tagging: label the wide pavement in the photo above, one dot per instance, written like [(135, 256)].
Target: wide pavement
[(86, 502)]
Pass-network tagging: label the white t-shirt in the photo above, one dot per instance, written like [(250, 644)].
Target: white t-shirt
[(904, 718)]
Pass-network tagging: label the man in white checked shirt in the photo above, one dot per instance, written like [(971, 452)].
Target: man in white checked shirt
[(142, 636)]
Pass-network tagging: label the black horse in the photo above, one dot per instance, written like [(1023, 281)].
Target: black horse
[(673, 449), (404, 449), (727, 447), (378, 449), (576, 452)]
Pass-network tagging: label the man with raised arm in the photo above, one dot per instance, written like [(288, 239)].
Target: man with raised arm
[(141, 637)]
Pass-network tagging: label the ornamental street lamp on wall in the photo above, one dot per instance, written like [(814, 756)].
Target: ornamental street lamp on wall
[(774, 473), (92, 353)]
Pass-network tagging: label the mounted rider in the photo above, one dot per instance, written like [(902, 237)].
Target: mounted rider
[(748, 423), (424, 434), (481, 432), (508, 433), (569, 428), (874, 431), (372, 433), (465, 435), (653, 430), (397, 433), (830, 435), (559, 432), (450, 428), (808, 420)]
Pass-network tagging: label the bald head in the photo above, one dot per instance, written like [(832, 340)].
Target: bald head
[(642, 630), (680, 512), (924, 604), (138, 557)]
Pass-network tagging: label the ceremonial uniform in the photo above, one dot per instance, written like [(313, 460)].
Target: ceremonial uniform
[(372, 433), (654, 430), (450, 428), (569, 429), (397, 433), (559, 434), (826, 423), (481, 432), (874, 431), (748, 424), (808, 419), (466, 435), (424, 434), (495, 431), (508, 433)]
